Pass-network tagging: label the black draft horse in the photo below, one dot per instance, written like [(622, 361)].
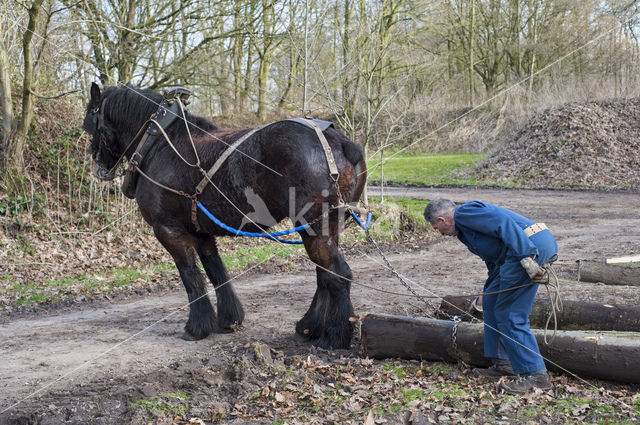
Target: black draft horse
[(280, 156)]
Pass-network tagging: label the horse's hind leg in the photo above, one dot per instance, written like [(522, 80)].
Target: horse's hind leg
[(230, 310), (327, 320), (181, 245)]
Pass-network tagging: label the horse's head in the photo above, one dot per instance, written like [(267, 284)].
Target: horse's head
[(105, 147)]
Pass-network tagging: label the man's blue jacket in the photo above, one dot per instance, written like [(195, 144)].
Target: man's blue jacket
[(496, 235)]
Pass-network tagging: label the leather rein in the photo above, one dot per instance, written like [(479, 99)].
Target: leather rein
[(168, 111)]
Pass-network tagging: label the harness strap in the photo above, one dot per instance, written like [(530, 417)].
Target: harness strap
[(203, 183), (328, 153), (166, 114)]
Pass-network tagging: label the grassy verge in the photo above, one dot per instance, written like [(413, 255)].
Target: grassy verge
[(397, 219), (423, 169), (90, 285), (632, 265)]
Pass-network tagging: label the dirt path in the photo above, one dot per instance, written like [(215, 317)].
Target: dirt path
[(109, 354)]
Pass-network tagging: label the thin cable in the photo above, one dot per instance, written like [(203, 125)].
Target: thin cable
[(506, 90), (88, 362), (150, 100), (464, 312)]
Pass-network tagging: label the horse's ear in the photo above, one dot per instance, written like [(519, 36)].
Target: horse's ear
[(95, 93)]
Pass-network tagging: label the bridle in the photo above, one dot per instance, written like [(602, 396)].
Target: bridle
[(98, 122)]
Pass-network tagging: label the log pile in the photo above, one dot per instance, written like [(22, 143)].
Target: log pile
[(593, 339), (605, 355)]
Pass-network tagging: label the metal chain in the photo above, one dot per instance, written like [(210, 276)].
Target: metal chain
[(454, 336), (456, 319), (403, 281)]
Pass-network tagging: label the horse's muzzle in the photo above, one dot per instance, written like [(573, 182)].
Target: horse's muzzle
[(105, 174)]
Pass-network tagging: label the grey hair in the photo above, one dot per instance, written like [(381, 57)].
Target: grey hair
[(438, 207)]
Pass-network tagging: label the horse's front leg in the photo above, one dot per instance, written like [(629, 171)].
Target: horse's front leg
[(327, 320), (230, 312), (181, 245)]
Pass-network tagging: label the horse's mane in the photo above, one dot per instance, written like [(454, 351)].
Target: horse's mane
[(133, 106)]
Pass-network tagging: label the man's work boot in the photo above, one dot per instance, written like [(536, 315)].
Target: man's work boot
[(527, 382), (496, 371)]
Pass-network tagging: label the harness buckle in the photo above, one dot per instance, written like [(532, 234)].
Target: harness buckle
[(135, 159)]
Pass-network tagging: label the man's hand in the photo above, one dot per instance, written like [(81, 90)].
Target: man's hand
[(535, 272)]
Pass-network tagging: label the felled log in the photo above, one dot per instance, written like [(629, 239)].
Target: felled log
[(605, 355), (626, 259), (594, 271), (576, 315)]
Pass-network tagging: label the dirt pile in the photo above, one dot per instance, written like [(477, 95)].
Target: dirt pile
[(592, 145)]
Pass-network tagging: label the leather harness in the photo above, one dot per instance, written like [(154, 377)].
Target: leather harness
[(167, 113)]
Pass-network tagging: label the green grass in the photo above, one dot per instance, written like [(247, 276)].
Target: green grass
[(632, 265), (423, 169), (54, 290), (413, 206), (245, 256), (395, 219), (172, 403)]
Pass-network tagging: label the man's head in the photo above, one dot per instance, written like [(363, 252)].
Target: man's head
[(439, 212)]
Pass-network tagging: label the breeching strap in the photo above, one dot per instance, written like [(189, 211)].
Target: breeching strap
[(333, 168)]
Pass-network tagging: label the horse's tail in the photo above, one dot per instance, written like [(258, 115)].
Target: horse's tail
[(355, 155), (352, 151)]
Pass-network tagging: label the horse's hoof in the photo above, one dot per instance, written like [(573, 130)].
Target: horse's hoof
[(188, 337)]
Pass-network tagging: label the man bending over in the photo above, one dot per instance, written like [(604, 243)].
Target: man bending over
[(513, 247)]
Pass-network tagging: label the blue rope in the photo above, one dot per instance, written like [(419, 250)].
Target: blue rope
[(364, 226), (273, 235), (238, 232)]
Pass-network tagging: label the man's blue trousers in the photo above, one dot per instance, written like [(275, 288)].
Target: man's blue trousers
[(506, 315)]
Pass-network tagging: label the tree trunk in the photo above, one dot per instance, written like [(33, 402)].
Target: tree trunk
[(236, 59), (576, 315), (265, 57), (604, 355), (263, 76), (246, 88), (534, 41), (293, 64), (6, 107), (128, 54), (471, 37), (593, 271), (15, 153)]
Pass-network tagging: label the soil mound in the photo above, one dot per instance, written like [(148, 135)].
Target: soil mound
[(592, 145)]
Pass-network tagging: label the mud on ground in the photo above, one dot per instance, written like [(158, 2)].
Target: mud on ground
[(123, 362)]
